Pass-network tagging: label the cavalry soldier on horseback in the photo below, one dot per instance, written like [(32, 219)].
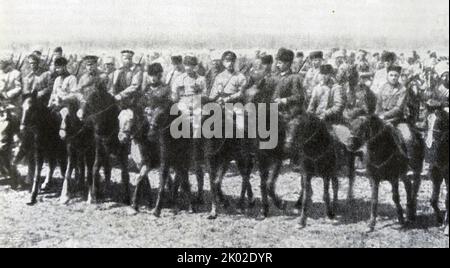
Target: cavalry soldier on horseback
[(10, 90), (288, 93), (362, 101), (311, 77), (388, 59), (65, 84), (37, 80), (215, 69), (127, 80), (177, 70), (89, 82), (229, 86), (328, 102)]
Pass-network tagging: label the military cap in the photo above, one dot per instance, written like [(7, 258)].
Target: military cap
[(61, 61), (190, 60), (109, 60), (176, 59), (155, 69), (5, 57), (376, 54), (316, 55), (394, 68), (58, 50), (433, 55), (285, 55), (299, 54), (326, 69), (33, 57), (441, 68), (267, 59), (338, 54), (388, 56), (90, 58), (229, 55), (127, 51)]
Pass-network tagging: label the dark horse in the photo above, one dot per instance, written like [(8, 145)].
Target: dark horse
[(39, 128), (389, 159), (157, 148), (320, 154), (80, 146), (437, 145), (101, 115), (8, 127)]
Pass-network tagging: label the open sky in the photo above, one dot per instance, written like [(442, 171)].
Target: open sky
[(29, 20)]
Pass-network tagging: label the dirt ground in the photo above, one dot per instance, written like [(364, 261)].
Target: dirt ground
[(51, 224)]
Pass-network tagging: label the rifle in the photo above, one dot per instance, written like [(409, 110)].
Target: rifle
[(303, 65), (47, 58), (139, 62), (18, 62), (78, 68)]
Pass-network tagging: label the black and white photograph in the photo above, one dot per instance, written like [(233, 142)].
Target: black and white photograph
[(256, 124)]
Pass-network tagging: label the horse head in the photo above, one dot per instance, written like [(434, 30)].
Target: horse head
[(70, 123), (364, 128), (437, 122), (29, 111), (158, 119), (126, 123)]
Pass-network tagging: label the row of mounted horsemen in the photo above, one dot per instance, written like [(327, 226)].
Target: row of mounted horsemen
[(83, 128)]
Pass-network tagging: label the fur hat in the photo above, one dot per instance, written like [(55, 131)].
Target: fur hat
[(155, 69), (285, 55)]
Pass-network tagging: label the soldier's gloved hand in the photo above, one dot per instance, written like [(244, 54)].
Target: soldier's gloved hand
[(118, 97)]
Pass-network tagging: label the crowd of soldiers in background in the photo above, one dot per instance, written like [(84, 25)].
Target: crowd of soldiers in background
[(360, 74)]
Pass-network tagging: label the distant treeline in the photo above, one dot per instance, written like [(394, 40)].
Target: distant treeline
[(239, 41)]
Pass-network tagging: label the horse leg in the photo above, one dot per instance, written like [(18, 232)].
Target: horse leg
[(65, 192), (99, 155), (299, 203), (415, 192), (326, 197), (184, 176), (335, 185), (375, 187), (306, 199), (437, 180), (446, 206), (174, 191), (222, 170), (163, 175), (135, 198), (48, 178), (396, 199), (80, 172), (409, 202), (214, 189), (89, 160), (271, 185), (246, 186), (39, 161), (264, 174), (351, 178), (125, 175)]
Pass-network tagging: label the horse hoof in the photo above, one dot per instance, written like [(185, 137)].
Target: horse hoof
[(331, 215), (156, 213), (370, 229), (212, 217), (301, 225), (64, 200), (446, 230), (31, 203), (252, 203), (45, 187), (131, 211)]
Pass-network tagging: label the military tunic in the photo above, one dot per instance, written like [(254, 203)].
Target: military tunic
[(391, 102)]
